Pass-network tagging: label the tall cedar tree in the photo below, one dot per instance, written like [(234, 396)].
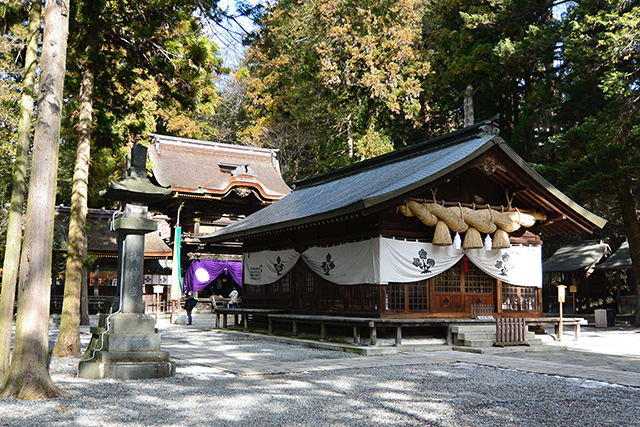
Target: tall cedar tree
[(598, 147), (19, 189), (28, 376), (172, 85), (505, 51)]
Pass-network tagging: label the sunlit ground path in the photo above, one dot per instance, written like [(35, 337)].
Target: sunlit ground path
[(230, 379)]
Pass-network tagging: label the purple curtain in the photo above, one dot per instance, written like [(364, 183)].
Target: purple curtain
[(202, 272)]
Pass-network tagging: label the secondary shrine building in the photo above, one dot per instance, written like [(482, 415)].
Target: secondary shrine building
[(446, 228)]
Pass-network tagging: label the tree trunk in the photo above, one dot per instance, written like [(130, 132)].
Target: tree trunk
[(68, 343), (632, 230), (19, 183), (28, 376), (84, 298)]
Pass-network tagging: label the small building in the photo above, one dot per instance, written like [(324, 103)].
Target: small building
[(574, 265), (437, 229), (102, 257), (217, 184), (621, 265)]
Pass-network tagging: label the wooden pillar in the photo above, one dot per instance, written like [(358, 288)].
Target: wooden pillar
[(295, 329), (323, 331), (270, 323)]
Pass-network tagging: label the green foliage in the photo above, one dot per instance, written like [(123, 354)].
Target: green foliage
[(155, 71), (505, 50), (599, 123), (327, 76)]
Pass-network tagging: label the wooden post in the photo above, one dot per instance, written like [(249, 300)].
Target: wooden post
[(269, 322), (373, 332), (295, 329), (356, 334), (323, 331), (398, 336), (561, 293)]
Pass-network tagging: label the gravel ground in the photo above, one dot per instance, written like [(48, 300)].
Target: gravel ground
[(430, 395)]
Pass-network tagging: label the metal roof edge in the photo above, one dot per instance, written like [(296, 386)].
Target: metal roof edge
[(371, 202), (452, 138), (220, 235)]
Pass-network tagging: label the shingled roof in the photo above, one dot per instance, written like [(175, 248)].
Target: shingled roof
[(101, 239), (374, 182), (620, 260), (194, 167), (576, 256)]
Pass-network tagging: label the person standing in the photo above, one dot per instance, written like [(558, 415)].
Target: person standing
[(189, 304), (233, 299)]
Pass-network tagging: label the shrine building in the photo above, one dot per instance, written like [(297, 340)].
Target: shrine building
[(443, 228)]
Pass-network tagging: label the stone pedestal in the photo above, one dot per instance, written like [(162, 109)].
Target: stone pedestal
[(127, 344)]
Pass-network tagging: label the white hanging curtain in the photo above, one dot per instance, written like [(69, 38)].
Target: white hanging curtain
[(406, 262), (265, 267), (517, 265), (382, 260), (346, 264)]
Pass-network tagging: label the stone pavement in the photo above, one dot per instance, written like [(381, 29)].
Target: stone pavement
[(557, 359)]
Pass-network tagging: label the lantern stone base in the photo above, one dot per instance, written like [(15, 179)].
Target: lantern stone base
[(127, 348)]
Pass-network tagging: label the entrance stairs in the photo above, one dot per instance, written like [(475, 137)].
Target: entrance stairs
[(482, 335)]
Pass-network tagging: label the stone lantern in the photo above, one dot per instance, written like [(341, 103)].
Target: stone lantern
[(129, 345)]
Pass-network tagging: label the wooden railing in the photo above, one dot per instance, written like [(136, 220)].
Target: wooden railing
[(482, 311), (511, 331)]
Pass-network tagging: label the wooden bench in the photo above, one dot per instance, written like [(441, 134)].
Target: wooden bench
[(243, 313), (555, 321), (372, 323), (355, 322)]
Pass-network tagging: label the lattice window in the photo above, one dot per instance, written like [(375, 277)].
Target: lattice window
[(310, 282), (509, 297), (254, 289), (281, 286), (477, 281), (519, 298), (527, 299), (395, 296), (448, 281), (418, 296)]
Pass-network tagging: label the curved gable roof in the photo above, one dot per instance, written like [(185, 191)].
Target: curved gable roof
[(204, 167)]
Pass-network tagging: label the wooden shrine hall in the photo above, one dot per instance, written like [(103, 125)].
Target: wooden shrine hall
[(448, 228)]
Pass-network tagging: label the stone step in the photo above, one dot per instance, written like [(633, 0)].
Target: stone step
[(476, 335), (132, 356), (473, 328), (479, 343)]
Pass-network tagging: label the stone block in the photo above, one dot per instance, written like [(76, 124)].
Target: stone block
[(131, 342), (92, 369), (131, 323)]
